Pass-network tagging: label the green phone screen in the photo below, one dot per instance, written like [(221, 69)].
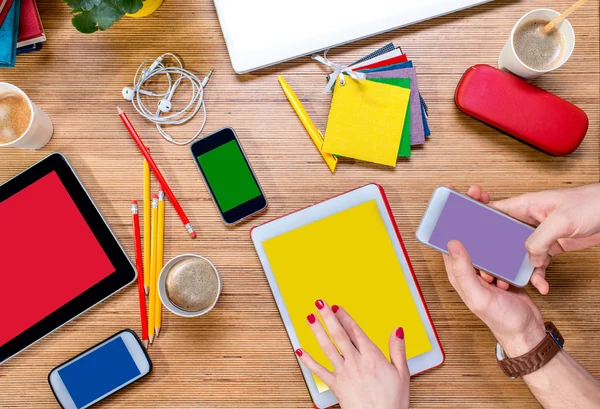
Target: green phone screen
[(229, 176)]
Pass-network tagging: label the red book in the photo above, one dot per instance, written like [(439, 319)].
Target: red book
[(30, 24), (4, 7)]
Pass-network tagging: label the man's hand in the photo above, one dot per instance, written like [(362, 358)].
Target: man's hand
[(567, 220), (510, 314)]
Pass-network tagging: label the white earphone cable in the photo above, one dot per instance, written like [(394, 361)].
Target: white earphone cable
[(150, 68)]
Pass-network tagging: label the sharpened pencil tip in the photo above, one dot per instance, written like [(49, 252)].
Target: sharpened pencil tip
[(157, 331), (145, 343), (147, 290), (119, 110), (151, 339)]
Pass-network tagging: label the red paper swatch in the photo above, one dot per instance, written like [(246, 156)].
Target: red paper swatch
[(48, 255)]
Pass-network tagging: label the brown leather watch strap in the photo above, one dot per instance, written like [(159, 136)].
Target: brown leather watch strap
[(537, 357)]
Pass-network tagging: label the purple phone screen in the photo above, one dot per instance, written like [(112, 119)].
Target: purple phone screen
[(495, 243)]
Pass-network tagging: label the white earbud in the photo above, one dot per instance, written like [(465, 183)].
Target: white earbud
[(129, 93), (164, 105)]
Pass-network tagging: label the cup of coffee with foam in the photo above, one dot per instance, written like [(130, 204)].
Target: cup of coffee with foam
[(189, 285), (22, 123), (530, 51)]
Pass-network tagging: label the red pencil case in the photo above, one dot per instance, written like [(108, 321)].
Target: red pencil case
[(521, 110)]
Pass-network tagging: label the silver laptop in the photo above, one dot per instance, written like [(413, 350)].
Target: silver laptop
[(260, 33)]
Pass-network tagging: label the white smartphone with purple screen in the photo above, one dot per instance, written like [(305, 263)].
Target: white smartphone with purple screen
[(494, 240)]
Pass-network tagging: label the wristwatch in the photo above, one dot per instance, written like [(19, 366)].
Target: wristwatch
[(536, 358)]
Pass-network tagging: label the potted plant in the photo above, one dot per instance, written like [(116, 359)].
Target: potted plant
[(93, 15)]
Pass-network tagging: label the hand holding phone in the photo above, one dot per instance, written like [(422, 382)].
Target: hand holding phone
[(100, 371), (495, 241)]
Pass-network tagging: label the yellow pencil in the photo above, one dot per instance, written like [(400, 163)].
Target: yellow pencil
[(146, 227), (152, 281), (159, 256), (310, 127)]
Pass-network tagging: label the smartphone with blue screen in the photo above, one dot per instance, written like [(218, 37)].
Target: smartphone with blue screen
[(494, 240), (228, 175), (100, 371)]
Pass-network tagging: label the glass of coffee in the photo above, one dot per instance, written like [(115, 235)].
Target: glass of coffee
[(22, 123), (189, 285), (529, 52)]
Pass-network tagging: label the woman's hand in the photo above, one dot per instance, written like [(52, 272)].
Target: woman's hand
[(363, 378)]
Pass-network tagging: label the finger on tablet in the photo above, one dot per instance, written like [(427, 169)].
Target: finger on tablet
[(315, 367), (335, 329), (324, 341), (360, 340)]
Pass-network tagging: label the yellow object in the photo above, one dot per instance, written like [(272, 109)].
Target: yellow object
[(149, 7), (312, 130), (146, 226), (153, 248), (159, 257), (346, 259), (366, 120)]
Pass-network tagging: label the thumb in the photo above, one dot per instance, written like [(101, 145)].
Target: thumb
[(518, 207), (554, 227), (398, 352), (461, 268)]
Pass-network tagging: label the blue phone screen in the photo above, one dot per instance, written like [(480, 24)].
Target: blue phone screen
[(99, 372)]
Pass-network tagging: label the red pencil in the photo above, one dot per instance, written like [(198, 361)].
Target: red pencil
[(156, 171), (139, 264)]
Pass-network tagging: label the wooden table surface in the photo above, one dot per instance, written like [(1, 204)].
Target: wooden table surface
[(239, 355)]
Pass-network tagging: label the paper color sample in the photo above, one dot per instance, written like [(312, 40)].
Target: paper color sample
[(417, 132), (404, 151), (49, 255), (346, 259), (408, 64), (366, 120)]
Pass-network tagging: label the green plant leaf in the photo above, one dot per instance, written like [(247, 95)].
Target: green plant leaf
[(83, 4), (106, 14), (129, 6), (85, 22)]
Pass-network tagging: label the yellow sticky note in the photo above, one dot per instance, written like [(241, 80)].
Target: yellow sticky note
[(366, 120), (346, 259)]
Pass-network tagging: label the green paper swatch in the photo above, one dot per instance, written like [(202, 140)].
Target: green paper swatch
[(404, 151)]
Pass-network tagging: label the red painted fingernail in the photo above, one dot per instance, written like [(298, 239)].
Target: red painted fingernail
[(400, 333), (299, 352), (311, 319), (335, 308), (320, 304)]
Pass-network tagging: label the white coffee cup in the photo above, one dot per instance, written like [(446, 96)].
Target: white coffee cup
[(162, 287), (40, 128), (509, 61)]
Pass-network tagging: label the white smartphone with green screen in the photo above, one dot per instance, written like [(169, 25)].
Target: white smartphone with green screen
[(100, 371), (494, 240)]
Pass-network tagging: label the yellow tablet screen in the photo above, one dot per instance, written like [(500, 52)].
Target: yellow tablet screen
[(346, 259)]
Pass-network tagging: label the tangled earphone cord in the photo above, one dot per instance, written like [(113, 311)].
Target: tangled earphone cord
[(175, 76)]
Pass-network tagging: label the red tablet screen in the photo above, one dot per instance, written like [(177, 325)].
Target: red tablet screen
[(48, 255)]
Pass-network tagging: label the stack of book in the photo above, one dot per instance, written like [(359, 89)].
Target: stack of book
[(21, 30)]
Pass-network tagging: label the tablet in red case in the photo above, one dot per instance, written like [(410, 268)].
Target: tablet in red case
[(521, 110)]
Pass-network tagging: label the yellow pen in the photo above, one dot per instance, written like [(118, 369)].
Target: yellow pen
[(312, 130)]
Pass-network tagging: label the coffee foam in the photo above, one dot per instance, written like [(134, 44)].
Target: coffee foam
[(534, 48), (192, 284), (15, 116)]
